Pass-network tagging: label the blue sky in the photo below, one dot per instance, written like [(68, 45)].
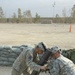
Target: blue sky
[(43, 7)]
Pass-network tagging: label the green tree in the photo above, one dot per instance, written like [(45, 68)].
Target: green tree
[(73, 11), (28, 16), (37, 18), (19, 15), (14, 17), (1, 13), (64, 12), (64, 15), (24, 17), (56, 20), (73, 14), (24, 14), (2, 16)]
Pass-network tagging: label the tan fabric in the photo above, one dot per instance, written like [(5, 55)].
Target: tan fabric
[(24, 61), (20, 62), (14, 72)]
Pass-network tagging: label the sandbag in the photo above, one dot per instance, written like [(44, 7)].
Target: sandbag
[(70, 54), (3, 59), (11, 59)]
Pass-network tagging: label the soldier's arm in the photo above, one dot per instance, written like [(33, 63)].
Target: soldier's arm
[(30, 63), (55, 69)]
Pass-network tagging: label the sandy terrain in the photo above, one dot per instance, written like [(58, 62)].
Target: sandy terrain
[(52, 34)]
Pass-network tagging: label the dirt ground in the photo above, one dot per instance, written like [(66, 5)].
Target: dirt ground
[(52, 34), (7, 71)]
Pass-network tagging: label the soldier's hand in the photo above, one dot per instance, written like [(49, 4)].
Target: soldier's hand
[(43, 68)]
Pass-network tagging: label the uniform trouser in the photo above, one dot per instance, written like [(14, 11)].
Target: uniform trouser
[(15, 72)]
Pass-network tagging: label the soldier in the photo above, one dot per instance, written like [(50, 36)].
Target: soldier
[(61, 64), (28, 60)]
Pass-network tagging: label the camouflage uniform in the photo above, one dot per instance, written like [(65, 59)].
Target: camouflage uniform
[(62, 66), (50, 63), (26, 59)]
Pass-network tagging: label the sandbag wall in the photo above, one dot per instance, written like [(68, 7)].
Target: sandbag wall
[(8, 54)]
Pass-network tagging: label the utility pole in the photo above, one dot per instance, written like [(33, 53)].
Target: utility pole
[(53, 5)]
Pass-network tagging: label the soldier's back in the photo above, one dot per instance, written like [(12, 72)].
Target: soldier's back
[(20, 63), (67, 67)]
